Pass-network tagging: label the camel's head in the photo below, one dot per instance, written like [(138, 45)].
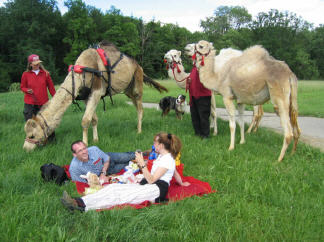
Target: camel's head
[(34, 134), (173, 56), (190, 49), (203, 48)]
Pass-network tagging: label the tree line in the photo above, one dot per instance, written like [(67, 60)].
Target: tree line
[(37, 26)]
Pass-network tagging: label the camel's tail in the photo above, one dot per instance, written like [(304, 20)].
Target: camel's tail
[(156, 85), (293, 109)]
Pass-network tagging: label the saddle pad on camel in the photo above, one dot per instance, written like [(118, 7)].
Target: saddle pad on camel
[(175, 193)]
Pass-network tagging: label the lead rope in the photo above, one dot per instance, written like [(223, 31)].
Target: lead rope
[(73, 89)]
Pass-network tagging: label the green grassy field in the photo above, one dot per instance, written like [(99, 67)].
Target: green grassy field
[(257, 198)]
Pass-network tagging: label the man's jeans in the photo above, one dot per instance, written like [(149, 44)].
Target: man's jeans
[(119, 160)]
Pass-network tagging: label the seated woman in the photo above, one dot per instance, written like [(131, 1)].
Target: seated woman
[(153, 187)]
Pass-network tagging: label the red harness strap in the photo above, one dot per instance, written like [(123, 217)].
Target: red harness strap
[(76, 68), (102, 55)]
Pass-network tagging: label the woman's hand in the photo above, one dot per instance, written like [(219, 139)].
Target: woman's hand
[(185, 184), (30, 91), (139, 158)]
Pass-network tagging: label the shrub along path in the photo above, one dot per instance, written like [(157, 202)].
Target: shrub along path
[(312, 129)]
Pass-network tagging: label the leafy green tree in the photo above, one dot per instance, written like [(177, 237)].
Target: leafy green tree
[(122, 31), (30, 26), (80, 29), (285, 36), (237, 39), (225, 18), (317, 49)]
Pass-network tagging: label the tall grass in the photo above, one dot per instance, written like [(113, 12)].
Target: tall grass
[(257, 198)]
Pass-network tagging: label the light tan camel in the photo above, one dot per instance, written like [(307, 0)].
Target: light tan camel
[(176, 71), (224, 56), (127, 76), (252, 78)]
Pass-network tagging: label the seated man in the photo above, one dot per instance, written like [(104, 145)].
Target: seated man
[(96, 161)]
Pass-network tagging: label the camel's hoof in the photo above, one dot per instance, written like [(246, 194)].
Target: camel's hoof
[(231, 148), (242, 142), (95, 140)]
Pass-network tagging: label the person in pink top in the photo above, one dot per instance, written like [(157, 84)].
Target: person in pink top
[(34, 84), (200, 101)]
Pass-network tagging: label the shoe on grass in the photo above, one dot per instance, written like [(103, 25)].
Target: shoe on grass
[(70, 203)]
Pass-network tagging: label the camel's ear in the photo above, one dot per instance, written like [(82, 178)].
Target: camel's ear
[(33, 123), (179, 52), (30, 123), (211, 45)]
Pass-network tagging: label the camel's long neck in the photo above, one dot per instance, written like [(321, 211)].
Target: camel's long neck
[(57, 106), (178, 76), (207, 75)]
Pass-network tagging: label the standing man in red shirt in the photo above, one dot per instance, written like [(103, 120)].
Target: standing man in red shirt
[(200, 101), (34, 83)]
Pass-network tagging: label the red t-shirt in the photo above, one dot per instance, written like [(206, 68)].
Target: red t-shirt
[(196, 89), (39, 84)]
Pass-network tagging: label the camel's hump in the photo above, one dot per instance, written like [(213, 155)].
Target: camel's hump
[(256, 52)]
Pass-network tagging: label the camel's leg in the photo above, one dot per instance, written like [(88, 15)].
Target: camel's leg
[(139, 107), (257, 115), (288, 135), (92, 103), (259, 110), (296, 132), (241, 121), (213, 113), (94, 124), (230, 108), (282, 104)]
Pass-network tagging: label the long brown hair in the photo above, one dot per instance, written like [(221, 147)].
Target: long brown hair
[(41, 66), (171, 142)]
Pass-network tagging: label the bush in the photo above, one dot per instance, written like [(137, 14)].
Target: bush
[(14, 87)]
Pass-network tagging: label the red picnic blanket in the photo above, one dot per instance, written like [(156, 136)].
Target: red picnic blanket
[(176, 192)]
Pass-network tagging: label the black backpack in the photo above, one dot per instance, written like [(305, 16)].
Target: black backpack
[(52, 172)]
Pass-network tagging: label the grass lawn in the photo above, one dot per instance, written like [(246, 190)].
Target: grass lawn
[(257, 198)]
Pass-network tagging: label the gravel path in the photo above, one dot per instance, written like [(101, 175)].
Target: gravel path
[(312, 129)]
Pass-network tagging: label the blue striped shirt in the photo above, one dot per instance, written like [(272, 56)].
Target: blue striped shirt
[(97, 159)]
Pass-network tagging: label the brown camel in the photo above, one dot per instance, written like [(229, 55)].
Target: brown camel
[(126, 76), (176, 71), (252, 78)]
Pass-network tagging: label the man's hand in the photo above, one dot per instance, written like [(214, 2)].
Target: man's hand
[(30, 91)]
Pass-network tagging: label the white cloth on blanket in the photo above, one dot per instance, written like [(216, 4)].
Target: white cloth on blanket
[(119, 194)]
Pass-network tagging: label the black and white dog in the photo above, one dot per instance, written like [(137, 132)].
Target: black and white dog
[(178, 104)]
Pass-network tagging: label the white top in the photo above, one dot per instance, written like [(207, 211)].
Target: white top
[(36, 71), (165, 161)]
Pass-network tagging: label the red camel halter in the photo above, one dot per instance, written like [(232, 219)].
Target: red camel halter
[(194, 57), (174, 64)]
